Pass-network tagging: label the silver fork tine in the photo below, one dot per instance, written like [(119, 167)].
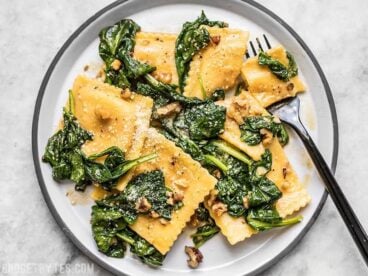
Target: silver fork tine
[(259, 44), (267, 42), (253, 49)]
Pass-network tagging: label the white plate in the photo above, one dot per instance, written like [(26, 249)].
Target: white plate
[(318, 112)]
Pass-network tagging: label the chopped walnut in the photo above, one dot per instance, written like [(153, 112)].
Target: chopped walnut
[(237, 110), (246, 202), (216, 39), (178, 196), (290, 86), (125, 93), (267, 136), (219, 208), (101, 75), (154, 214), (163, 77), (261, 171), (163, 221), (168, 109), (212, 197), (116, 64), (195, 256), (174, 197), (217, 174), (142, 205), (194, 221)]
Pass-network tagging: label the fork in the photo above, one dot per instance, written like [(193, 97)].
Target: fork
[(288, 112)]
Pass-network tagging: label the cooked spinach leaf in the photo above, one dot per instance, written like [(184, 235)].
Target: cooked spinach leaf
[(251, 130), (63, 151), (149, 187), (106, 223), (169, 92), (217, 95), (245, 178), (182, 140), (116, 44), (277, 68), (205, 121), (231, 192), (204, 233), (192, 38), (141, 248), (111, 236), (235, 168), (207, 228), (267, 217)]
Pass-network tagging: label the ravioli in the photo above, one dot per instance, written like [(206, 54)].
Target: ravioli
[(294, 194), (158, 50), (264, 85), (238, 108), (234, 229), (217, 66), (182, 173), (113, 121)]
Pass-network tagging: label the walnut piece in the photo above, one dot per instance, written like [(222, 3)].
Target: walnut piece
[(267, 136), (125, 93), (212, 197), (216, 39), (142, 205), (195, 256), (174, 197), (246, 202), (163, 77), (168, 109), (219, 208)]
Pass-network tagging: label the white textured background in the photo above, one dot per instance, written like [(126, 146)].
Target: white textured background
[(31, 32)]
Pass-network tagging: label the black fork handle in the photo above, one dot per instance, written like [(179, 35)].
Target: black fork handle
[(352, 222)]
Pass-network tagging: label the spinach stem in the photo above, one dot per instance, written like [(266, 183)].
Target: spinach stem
[(125, 238), (132, 163), (233, 152), (214, 161)]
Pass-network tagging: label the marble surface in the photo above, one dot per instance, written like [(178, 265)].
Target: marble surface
[(31, 32)]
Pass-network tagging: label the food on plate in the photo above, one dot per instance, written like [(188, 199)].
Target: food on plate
[(168, 144)]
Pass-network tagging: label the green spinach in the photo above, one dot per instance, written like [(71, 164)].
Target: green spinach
[(267, 217), (207, 228), (112, 236), (151, 186), (106, 223), (251, 130), (277, 68), (205, 121), (117, 43), (192, 38), (141, 248)]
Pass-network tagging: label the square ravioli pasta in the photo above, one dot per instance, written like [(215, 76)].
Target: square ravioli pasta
[(216, 66), (181, 173), (112, 120), (264, 85), (294, 194)]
